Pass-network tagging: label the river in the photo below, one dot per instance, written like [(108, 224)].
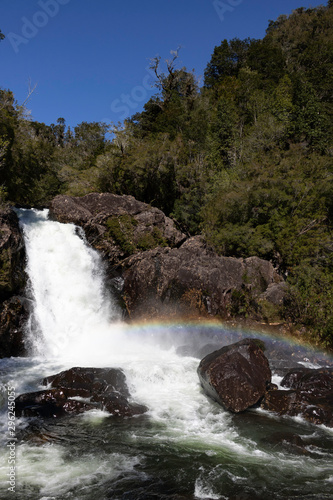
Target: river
[(185, 446)]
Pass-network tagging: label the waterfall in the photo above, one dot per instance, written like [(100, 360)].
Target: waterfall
[(185, 446), (69, 301)]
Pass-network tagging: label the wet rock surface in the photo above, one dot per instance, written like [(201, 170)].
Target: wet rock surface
[(236, 376), (78, 390), (310, 395)]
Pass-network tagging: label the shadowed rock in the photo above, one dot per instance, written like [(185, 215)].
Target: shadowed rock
[(12, 283), (78, 390), (192, 278), (12, 255), (116, 225), (13, 316), (236, 376), (153, 269), (310, 395)]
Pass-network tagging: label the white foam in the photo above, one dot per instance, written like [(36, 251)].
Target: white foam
[(202, 490), (70, 300), (73, 317), (74, 323), (37, 467)]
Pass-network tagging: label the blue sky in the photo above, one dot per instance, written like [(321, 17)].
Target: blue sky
[(89, 59)]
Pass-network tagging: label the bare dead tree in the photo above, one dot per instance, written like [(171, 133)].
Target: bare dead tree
[(31, 90)]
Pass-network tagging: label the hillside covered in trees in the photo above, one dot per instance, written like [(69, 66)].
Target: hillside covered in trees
[(245, 158)]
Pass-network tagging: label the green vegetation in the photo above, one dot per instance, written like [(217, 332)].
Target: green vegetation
[(151, 240), (120, 229), (247, 159)]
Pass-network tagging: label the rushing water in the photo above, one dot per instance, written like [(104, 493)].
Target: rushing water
[(186, 446)]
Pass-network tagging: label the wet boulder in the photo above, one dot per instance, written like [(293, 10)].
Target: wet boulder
[(309, 394), (318, 382), (87, 381), (78, 390), (41, 403), (237, 375)]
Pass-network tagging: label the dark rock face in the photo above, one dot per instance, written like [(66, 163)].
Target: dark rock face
[(236, 376), (275, 293), (13, 312), (194, 277), (310, 395), (13, 315), (12, 255), (116, 225), (78, 390), (162, 272)]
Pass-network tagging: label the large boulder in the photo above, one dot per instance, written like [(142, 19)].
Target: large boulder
[(309, 393), (116, 225), (193, 278), (153, 269), (78, 390), (13, 311), (236, 376)]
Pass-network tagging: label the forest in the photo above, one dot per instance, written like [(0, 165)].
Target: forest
[(244, 157)]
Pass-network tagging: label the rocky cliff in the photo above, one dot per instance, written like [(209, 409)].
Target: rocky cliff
[(117, 226), (162, 271), (13, 309)]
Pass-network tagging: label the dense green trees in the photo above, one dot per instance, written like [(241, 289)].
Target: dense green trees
[(246, 159)]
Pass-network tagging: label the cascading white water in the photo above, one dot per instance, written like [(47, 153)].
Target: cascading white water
[(73, 322), (184, 444), (69, 299)]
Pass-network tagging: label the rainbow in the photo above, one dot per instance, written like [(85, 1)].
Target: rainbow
[(201, 331)]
